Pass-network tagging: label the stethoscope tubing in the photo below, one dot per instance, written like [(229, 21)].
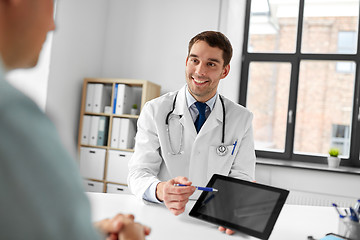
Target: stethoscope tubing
[(223, 125)]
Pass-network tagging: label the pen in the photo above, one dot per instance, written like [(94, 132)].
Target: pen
[(353, 215), (206, 189), (357, 207), (232, 153), (337, 210)]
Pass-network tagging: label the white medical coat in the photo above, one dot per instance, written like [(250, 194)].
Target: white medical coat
[(152, 160)]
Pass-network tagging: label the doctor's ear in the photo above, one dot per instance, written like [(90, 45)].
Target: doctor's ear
[(225, 71)]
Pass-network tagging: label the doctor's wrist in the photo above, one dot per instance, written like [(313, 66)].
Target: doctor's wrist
[(159, 193)]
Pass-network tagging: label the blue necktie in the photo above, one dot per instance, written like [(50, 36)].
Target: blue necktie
[(201, 118)]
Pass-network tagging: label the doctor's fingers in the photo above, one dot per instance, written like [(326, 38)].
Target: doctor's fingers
[(176, 207), (178, 191), (177, 212), (169, 197), (170, 188), (181, 180)]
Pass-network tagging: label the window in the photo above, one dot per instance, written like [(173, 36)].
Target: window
[(346, 44), (299, 78), (340, 138)]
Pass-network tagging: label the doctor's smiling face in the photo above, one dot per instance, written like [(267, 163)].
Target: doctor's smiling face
[(204, 68)]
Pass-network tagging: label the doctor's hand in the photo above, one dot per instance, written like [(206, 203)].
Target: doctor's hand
[(175, 198), (122, 226)]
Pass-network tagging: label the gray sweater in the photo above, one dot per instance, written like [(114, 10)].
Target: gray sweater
[(41, 196)]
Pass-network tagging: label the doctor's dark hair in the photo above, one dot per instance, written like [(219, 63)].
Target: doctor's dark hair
[(214, 39)]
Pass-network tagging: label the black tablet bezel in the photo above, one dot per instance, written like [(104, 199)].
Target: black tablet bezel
[(269, 225)]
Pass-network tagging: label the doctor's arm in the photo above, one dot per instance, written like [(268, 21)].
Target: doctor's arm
[(145, 163)]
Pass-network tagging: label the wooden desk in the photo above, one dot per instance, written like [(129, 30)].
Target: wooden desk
[(295, 222)]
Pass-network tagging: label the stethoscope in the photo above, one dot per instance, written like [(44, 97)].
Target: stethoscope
[(221, 150)]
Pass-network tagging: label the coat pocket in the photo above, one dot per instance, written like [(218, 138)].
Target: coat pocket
[(219, 164)]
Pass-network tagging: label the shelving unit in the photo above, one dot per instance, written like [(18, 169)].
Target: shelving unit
[(104, 168)]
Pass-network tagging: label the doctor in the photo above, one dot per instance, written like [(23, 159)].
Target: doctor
[(172, 146)]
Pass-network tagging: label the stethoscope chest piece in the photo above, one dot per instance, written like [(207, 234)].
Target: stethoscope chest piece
[(221, 150)]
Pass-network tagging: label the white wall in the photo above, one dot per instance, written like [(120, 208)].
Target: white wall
[(77, 52), (310, 186), (147, 39)]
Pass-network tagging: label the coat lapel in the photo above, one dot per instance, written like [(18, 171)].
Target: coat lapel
[(181, 108)]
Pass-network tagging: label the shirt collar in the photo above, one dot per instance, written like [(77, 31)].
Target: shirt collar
[(190, 100)]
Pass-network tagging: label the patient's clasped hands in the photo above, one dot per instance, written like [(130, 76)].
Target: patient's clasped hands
[(122, 227)]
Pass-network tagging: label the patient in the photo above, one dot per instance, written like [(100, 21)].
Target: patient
[(41, 190)]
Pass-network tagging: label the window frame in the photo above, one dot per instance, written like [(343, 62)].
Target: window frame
[(294, 59)]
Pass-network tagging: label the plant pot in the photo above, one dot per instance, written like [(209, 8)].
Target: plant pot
[(133, 111), (333, 162)]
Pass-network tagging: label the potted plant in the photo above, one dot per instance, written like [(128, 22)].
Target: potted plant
[(134, 109), (333, 159)]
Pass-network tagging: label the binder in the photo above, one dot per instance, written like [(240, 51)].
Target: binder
[(85, 131), (90, 88), (115, 133), (127, 133), (94, 128), (102, 131), (115, 97), (124, 99), (102, 97)]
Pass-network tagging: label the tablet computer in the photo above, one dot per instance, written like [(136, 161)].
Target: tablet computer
[(248, 207)]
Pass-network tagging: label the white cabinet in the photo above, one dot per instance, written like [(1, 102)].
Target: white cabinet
[(92, 186), (116, 188), (117, 169), (92, 162)]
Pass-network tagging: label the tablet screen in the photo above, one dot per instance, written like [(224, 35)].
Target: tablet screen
[(241, 205)]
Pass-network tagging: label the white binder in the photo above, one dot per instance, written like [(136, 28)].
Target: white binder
[(90, 89), (124, 99), (85, 131), (102, 97), (103, 131), (94, 129), (127, 133), (115, 133)]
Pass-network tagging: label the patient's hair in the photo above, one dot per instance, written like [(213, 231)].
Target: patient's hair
[(214, 39)]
